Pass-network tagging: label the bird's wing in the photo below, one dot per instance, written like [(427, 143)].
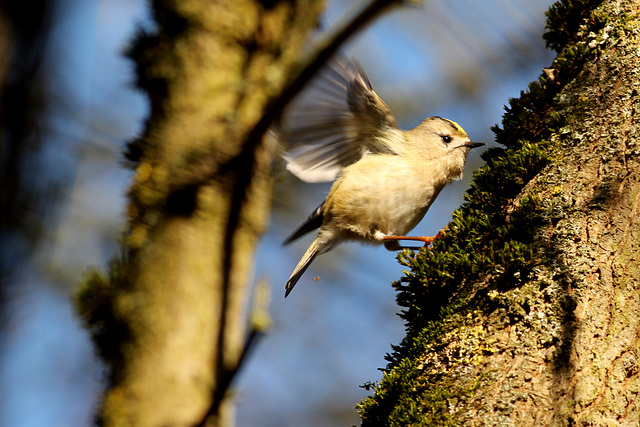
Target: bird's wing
[(335, 123)]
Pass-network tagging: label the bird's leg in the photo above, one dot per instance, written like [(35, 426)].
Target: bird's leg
[(391, 242)]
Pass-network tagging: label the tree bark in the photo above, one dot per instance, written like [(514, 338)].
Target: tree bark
[(528, 312)]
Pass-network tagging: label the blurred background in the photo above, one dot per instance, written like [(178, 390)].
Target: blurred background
[(68, 109)]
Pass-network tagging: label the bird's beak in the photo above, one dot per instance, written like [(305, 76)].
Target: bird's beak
[(475, 144)]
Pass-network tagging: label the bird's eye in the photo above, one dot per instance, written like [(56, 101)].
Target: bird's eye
[(446, 138)]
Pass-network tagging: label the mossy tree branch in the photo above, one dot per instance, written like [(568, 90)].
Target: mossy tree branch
[(528, 311), (169, 318)]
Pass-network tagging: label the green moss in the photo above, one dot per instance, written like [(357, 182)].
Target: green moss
[(491, 247), (566, 19), (94, 304), (405, 398)]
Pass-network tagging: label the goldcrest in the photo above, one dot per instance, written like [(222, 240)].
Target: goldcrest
[(387, 178)]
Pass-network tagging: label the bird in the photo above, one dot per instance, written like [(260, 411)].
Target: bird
[(385, 178)]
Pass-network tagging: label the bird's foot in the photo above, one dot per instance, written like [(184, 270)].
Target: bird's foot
[(391, 242)]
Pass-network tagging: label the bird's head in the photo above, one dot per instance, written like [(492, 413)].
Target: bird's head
[(437, 137)]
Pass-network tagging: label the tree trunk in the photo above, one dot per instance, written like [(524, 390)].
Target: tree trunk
[(170, 319), (528, 312)]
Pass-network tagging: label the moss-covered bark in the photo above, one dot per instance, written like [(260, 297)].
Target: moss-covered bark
[(169, 318), (528, 312)]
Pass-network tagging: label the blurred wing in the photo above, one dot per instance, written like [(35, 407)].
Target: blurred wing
[(335, 124)]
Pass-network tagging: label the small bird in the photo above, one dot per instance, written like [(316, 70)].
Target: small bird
[(387, 178)]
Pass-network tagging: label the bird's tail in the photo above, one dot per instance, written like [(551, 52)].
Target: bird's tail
[(316, 248)]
